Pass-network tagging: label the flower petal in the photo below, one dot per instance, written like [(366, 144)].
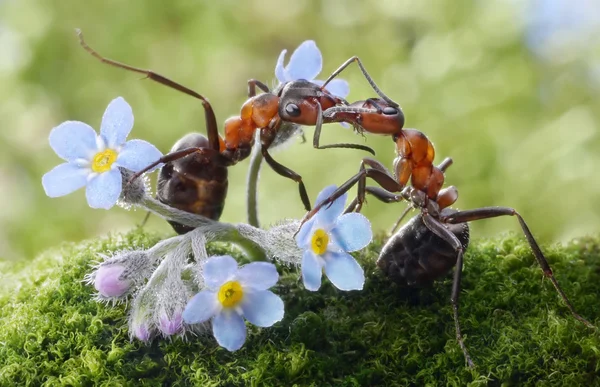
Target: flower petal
[(117, 122), (306, 62), (137, 155), (219, 269), (311, 271), (104, 189), (262, 308), (305, 233), (64, 179), (73, 140), (330, 212), (201, 307), (229, 330), (258, 275), (352, 231), (343, 271), (279, 70), (338, 87)]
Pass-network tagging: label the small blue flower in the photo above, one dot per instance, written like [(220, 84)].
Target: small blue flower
[(233, 294), (326, 240), (306, 63), (93, 160)]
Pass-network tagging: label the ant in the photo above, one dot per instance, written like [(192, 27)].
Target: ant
[(297, 102), (428, 246), (375, 115)]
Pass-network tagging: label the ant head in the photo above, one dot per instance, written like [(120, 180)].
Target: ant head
[(299, 102)]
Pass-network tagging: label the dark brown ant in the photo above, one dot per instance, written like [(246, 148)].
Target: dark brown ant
[(431, 243), (196, 183), (297, 102)]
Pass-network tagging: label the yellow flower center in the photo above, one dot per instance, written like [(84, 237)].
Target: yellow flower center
[(103, 160), (319, 242), (230, 294)]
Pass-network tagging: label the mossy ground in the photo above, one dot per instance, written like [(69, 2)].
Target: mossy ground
[(517, 329)]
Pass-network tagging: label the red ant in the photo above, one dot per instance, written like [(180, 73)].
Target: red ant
[(297, 102), (432, 242)]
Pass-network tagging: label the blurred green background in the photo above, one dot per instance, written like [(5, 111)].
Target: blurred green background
[(516, 106)]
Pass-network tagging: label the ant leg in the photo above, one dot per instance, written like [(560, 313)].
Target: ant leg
[(317, 136), (253, 84), (438, 229), (286, 172), (170, 157), (211, 121), (402, 216), (366, 75), (145, 219), (445, 164), (382, 178), (492, 212)]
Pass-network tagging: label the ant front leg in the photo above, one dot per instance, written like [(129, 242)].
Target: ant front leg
[(492, 212), (211, 121), (366, 75), (317, 136), (438, 229), (170, 157), (382, 177)]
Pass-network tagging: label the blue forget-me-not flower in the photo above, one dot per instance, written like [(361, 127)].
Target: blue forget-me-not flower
[(233, 294), (93, 160), (306, 63), (327, 238)]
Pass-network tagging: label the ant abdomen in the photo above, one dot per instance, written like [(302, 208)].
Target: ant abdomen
[(415, 256), (196, 183)]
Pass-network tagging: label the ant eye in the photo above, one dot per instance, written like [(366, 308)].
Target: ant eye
[(292, 110), (389, 111)]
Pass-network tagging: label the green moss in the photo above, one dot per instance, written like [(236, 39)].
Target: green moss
[(517, 329)]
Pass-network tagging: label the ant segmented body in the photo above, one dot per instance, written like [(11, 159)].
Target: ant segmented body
[(271, 113), (434, 241)]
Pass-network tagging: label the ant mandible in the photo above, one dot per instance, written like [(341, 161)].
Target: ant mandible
[(433, 242), (299, 102)]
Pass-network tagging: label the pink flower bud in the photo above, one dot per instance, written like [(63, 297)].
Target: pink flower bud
[(170, 326), (108, 283), (142, 332)]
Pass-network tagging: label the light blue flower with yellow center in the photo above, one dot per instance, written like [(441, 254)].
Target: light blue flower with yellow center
[(326, 240), (93, 160), (306, 63), (233, 294)]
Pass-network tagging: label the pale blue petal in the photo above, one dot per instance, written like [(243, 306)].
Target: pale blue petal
[(330, 212), (64, 179), (219, 269), (337, 87), (311, 271), (258, 275), (306, 62), (201, 307), (117, 122), (352, 231), (304, 235), (262, 308), (229, 330), (137, 155), (343, 271), (279, 70), (104, 189), (73, 140)]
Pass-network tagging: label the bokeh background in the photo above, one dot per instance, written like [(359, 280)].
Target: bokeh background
[(509, 89)]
